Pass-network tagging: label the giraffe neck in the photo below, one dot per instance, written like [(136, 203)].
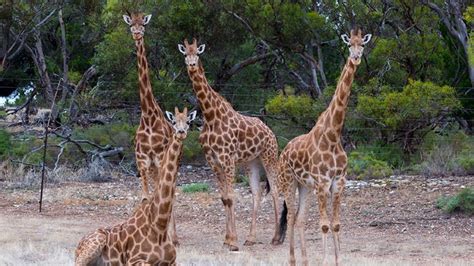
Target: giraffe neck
[(212, 104), (163, 196), (147, 100), (336, 111)]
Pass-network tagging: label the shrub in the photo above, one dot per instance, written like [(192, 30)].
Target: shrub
[(5, 143), (445, 154), (419, 106), (191, 147), (391, 154), (195, 187), (299, 108), (365, 166), (462, 202)]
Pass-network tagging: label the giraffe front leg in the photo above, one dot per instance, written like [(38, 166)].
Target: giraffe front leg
[(224, 191), (337, 189), (323, 192), (228, 199), (172, 229), (143, 165)]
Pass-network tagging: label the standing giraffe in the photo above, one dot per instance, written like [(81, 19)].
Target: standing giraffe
[(229, 138), (154, 131), (318, 160), (143, 238)]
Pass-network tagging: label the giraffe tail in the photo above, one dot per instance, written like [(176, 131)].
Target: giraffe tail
[(283, 222)]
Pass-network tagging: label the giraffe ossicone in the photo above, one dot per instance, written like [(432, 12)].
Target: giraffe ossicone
[(143, 238), (317, 161), (154, 131), (228, 139)]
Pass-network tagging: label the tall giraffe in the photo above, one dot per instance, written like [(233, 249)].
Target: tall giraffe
[(229, 138), (154, 131), (143, 238), (318, 160)]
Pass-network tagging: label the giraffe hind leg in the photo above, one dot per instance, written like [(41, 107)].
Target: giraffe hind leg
[(90, 248), (254, 180)]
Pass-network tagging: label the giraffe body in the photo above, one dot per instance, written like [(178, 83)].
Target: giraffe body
[(142, 238), (317, 161), (229, 139), (154, 131)]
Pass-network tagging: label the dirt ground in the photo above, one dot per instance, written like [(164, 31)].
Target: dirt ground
[(385, 222)]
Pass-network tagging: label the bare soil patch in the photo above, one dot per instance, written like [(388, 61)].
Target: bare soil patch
[(388, 222)]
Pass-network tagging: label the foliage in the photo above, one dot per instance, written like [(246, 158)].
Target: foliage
[(448, 153), (299, 108), (195, 187), (462, 202), (5, 143), (406, 114), (191, 147), (365, 166)]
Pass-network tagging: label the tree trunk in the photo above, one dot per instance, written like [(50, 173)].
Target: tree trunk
[(451, 17), (65, 82)]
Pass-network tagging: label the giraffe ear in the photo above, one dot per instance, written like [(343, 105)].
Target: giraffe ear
[(366, 38), (192, 116), (201, 48), (346, 39), (146, 19), (182, 49), (170, 116), (127, 19)]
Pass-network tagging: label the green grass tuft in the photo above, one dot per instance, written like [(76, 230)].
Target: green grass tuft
[(462, 202), (196, 187)]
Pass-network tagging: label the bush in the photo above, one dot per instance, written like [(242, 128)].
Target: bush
[(391, 154), (419, 106), (195, 187), (446, 154), (191, 147), (365, 166), (299, 108), (462, 202), (5, 143)]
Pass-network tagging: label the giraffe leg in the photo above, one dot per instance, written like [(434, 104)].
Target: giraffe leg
[(143, 176), (300, 219), (225, 197), (337, 188), (90, 248), (254, 180), (270, 165), (228, 200), (290, 203), (323, 192), (172, 229)]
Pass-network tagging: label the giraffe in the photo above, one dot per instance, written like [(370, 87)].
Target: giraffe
[(143, 238), (154, 131), (317, 160), (229, 138)]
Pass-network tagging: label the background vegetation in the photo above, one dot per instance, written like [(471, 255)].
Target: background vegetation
[(411, 108)]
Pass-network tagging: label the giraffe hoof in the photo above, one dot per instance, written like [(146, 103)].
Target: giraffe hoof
[(277, 242), (249, 243), (231, 247)]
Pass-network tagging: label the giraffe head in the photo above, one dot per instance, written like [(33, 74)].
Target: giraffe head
[(181, 121), (356, 44), (137, 22), (191, 53)]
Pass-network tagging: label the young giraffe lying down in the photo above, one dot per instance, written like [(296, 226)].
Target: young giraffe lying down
[(143, 238)]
